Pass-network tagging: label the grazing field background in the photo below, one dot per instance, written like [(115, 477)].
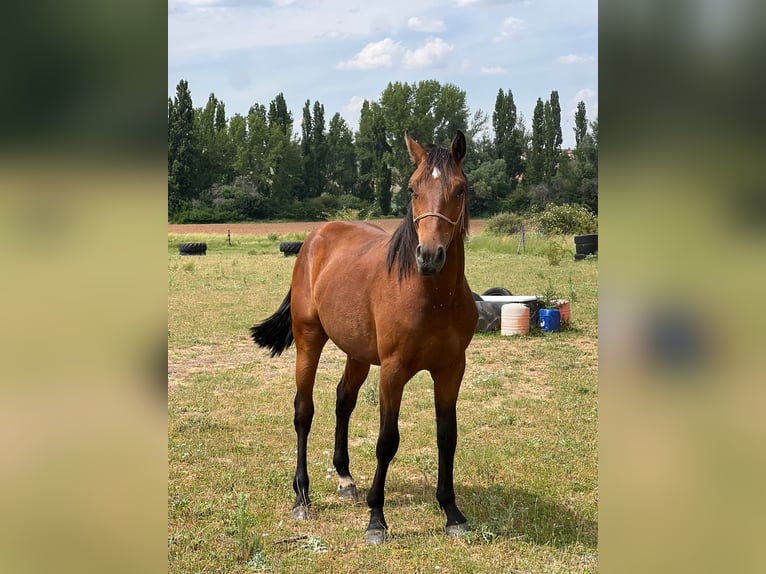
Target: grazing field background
[(526, 462)]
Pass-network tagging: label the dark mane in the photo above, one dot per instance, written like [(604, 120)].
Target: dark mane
[(404, 241), (402, 246)]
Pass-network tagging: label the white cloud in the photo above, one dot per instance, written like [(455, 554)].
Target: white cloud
[(574, 59), (432, 53), (354, 105), (590, 97), (464, 3), (419, 25), (374, 55), (387, 53), (509, 27), (493, 71), (585, 95)]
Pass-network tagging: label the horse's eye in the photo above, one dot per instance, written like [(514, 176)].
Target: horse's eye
[(413, 193), (460, 191)]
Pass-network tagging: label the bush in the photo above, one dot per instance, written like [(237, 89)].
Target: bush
[(504, 224), (206, 214), (555, 253), (566, 219)]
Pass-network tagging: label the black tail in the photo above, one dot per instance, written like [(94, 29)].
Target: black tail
[(276, 332)]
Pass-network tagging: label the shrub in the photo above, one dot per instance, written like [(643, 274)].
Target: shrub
[(566, 219), (555, 253), (504, 224)]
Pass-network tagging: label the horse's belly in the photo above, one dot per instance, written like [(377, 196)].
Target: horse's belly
[(354, 336)]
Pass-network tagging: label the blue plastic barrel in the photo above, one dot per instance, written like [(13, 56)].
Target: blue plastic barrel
[(550, 319)]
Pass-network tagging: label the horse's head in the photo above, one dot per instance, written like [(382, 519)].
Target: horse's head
[(438, 190)]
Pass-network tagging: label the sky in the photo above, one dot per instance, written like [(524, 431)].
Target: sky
[(341, 52)]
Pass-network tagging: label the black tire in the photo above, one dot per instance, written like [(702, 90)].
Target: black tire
[(192, 248), (497, 291), (591, 238), (476, 296), (580, 256), (586, 248), (290, 247)]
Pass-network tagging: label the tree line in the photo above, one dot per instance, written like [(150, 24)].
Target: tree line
[(259, 166)]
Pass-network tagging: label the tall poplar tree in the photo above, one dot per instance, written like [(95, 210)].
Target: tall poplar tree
[(183, 152), (307, 130), (341, 157), (279, 116), (536, 160), (319, 151), (508, 141), (374, 156), (581, 124), (364, 153), (553, 136)]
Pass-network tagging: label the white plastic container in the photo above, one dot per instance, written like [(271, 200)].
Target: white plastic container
[(514, 319)]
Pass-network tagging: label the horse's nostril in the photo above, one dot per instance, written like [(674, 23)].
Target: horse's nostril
[(419, 253)]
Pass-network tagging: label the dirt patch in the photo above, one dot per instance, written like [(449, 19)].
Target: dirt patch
[(186, 362), (477, 226)]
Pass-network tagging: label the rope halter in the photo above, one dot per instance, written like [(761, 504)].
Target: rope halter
[(441, 216)]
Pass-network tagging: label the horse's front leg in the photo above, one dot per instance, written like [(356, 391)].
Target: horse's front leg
[(347, 392), (446, 387), (392, 381)]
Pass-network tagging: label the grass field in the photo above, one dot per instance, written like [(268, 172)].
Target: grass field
[(526, 462)]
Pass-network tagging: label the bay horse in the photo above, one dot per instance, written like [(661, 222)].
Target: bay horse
[(400, 301)]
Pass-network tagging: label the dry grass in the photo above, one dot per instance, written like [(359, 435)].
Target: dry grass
[(526, 469)]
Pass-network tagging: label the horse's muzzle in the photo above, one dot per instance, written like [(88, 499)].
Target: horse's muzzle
[(430, 262)]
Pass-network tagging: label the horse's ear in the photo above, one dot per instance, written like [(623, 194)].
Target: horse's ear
[(417, 153), (457, 149)]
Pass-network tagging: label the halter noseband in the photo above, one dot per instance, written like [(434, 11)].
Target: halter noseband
[(441, 216)]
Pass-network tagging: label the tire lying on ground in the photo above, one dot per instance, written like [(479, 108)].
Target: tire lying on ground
[(586, 244), (290, 247), (502, 291), (192, 248)]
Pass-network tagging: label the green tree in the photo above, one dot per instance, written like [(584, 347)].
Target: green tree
[(488, 185), (536, 155), (237, 132), (553, 136), (183, 151), (212, 166), (307, 151), (341, 157), (257, 145), (375, 155), (364, 152), (581, 123), (319, 151), (279, 116), (313, 150), (430, 111), (284, 173), (509, 143)]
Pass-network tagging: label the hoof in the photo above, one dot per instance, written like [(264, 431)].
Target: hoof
[(457, 530), (376, 535), (301, 512), (348, 492)]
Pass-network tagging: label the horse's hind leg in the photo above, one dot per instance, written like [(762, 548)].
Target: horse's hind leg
[(308, 348), (347, 392)]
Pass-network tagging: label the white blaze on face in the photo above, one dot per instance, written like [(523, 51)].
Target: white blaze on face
[(436, 174)]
